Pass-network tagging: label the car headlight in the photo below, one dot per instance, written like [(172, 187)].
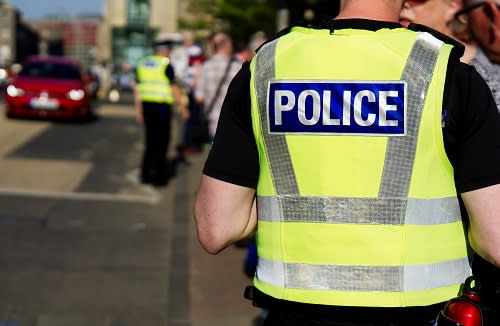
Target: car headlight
[(14, 91), (76, 94)]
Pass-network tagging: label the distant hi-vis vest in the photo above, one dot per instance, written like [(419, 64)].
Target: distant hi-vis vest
[(356, 198), (153, 84)]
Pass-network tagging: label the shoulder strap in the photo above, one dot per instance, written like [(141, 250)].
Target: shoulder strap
[(221, 82)]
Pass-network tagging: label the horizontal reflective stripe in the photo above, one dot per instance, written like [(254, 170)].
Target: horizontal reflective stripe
[(146, 93), (155, 94), (363, 278), (154, 82), (391, 211), (155, 88)]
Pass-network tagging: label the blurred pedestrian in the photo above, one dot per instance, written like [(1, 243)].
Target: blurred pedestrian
[(481, 20), (256, 40), (475, 23), (215, 75), (193, 58), (343, 146), (155, 93), (436, 14)]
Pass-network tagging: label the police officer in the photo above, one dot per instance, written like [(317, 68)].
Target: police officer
[(155, 93), (344, 147)]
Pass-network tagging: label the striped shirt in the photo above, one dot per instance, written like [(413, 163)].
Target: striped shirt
[(490, 72)]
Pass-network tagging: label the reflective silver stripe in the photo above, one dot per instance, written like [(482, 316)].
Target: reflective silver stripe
[(154, 82), (337, 210), (363, 278), (400, 156), (155, 93), (280, 163)]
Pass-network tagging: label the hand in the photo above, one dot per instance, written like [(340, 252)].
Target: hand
[(139, 117), (185, 113)]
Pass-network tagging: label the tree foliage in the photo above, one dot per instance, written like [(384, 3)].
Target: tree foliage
[(239, 18), (242, 18)]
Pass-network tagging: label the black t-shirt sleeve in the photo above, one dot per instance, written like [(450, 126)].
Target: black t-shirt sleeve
[(471, 133), (170, 73), (234, 157), (472, 130)]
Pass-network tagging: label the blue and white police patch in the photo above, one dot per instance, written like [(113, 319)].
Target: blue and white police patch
[(333, 107)]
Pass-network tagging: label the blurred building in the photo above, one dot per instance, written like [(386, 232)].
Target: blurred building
[(130, 26), (18, 38), (76, 37)]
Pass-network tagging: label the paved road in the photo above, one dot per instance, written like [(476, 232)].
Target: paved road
[(82, 243)]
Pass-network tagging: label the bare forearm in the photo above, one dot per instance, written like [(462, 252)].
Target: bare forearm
[(487, 250), (178, 95), (483, 207), (138, 106), (224, 214)]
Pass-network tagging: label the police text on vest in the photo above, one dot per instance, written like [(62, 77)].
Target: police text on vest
[(349, 108)]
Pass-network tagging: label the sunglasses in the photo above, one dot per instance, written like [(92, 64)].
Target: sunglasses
[(460, 15), (416, 2)]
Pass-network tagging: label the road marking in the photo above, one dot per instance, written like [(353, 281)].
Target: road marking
[(153, 198)]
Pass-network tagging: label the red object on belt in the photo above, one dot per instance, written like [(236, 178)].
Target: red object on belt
[(465, 309)]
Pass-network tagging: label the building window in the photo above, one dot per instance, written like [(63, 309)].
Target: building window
[(138, 12), (130, 44)]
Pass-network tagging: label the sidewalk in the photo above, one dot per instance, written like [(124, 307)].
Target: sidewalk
[(216, 282)]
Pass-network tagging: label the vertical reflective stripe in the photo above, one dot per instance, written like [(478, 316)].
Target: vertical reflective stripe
[(339, 210), (280, 163), (400, 157), (363, 278)]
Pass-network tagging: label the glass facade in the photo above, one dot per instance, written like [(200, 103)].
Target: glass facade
[(138, 12), (132, 42)]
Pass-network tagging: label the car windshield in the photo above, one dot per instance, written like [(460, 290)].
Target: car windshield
[(50, 70)]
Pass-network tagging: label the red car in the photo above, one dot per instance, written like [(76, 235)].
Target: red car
[(49, 87)]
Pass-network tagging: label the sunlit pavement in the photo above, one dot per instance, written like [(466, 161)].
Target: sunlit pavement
[(83, 243)]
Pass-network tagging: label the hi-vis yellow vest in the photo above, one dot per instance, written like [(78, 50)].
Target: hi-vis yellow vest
[(356, 198), (153, 84)]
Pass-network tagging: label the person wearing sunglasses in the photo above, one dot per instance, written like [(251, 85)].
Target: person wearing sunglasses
[(438, 15), (343, 146), (475, 23), (480, 22)]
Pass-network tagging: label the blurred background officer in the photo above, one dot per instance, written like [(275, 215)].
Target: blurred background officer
[(155, 93), (354, 184)]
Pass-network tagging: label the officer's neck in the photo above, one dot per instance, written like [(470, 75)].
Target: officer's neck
[(374, 12)]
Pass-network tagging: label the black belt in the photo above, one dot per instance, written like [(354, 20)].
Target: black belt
[(364, 314)]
